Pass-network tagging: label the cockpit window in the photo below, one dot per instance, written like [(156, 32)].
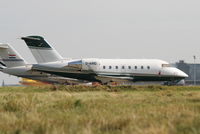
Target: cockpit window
[(166, 65)]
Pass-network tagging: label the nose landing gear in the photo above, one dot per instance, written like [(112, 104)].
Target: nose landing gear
[(175, 83)]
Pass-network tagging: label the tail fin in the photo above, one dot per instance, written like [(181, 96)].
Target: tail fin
[(10, 57), (41, 50)]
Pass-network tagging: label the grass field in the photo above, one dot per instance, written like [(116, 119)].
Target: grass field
[(100, 110)]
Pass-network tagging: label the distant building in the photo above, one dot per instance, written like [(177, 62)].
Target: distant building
[(190, 69)]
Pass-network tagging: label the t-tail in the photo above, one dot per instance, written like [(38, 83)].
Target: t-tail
[(41, 50), (9, 57)]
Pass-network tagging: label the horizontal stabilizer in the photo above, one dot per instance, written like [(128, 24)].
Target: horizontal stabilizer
[(36, 42), (4, 46)]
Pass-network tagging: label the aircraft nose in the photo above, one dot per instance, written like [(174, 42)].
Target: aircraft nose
[(182, 74)]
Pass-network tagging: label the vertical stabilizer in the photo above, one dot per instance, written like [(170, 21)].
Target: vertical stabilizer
[(41, 50), (9, 57)]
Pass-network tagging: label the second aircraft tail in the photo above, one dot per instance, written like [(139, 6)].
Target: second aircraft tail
[(10, 57)]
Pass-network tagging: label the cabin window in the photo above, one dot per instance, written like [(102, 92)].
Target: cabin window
[(104, 67), (110, 67), (148, 67), (116, 67), (135, 67), (129, 67), (142, 67), (123, 67)]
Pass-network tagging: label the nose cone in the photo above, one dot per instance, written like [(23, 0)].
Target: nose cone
[(175, 73), (181, 74)]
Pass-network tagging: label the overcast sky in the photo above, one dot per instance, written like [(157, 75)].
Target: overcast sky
[(161, 29)]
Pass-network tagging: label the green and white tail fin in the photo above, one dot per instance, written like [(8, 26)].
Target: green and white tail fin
[(10, 57), (41, 50)]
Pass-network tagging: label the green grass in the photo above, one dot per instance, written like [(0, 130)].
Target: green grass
[(100, 110)]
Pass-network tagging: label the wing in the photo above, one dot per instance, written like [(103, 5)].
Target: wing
[(114, 78)]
